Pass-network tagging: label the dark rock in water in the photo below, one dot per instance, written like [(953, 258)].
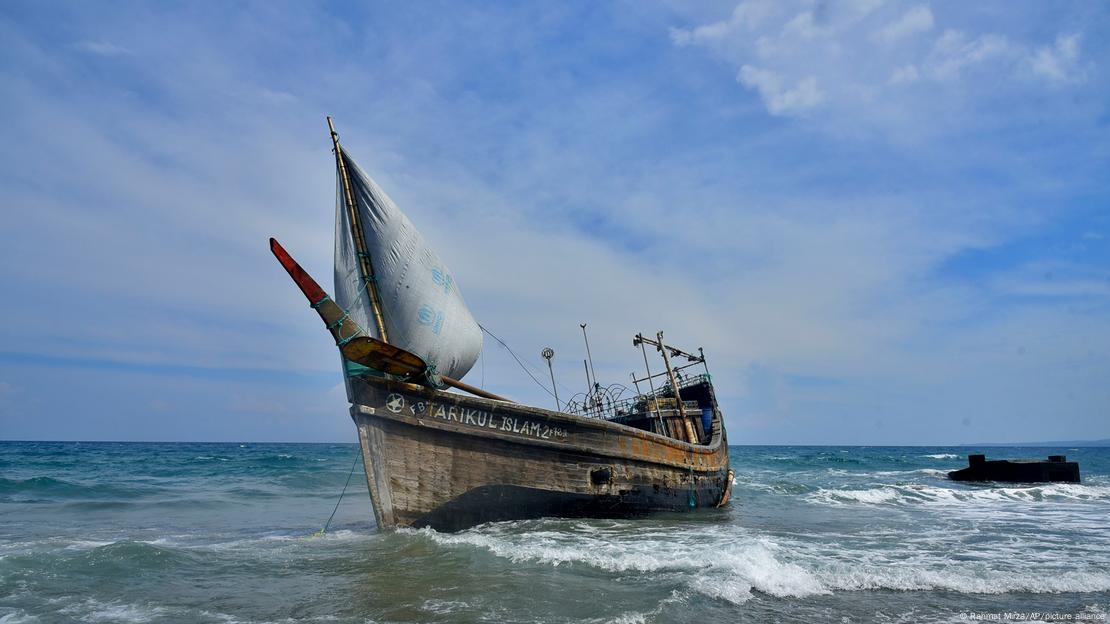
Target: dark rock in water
[(1055, 469)]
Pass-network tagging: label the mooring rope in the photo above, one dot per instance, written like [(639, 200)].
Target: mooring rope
[(521, 364), (349, 475)]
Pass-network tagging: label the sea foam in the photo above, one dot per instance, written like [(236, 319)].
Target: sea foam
[(925, 494), (735, 565), (91, 610)]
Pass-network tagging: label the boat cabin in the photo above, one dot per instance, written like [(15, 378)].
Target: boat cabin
[(674, 403)]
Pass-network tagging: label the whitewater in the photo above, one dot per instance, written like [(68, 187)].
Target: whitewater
[(138, 532)]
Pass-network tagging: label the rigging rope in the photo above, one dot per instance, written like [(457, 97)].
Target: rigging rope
[(521, 364), (349, 475)]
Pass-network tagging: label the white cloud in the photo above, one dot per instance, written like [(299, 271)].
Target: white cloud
[(747, 16), (917, 20), (101, 48), (780, 99), (1060, 63), (277, 97), (863, 64), (1055, 288), (1053, 279), (954, 53), (803, 26), (907, 73)]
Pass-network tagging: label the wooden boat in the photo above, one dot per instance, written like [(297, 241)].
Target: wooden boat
[(450, 461)]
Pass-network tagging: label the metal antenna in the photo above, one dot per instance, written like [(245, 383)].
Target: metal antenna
[(638, 341), (590, 357), (547, 354), (589, 388)]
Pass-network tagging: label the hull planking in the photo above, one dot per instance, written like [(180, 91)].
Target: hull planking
[(449, 461)]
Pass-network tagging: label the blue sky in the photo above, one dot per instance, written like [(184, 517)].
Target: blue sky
[(886, 222)]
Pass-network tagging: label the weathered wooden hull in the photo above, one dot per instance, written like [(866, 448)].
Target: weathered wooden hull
[(450, 461)]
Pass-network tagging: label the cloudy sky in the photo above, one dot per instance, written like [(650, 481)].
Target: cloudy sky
[(885, 222)]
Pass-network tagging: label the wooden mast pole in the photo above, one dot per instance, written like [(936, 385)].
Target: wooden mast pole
[(366, 268), (690, 435)]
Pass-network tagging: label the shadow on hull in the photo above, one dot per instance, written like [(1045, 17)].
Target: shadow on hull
[(495, 503)]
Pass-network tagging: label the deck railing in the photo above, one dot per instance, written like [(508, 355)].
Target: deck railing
[(608, 403)]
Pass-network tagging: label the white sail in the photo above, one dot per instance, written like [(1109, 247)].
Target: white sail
[(422, 308)]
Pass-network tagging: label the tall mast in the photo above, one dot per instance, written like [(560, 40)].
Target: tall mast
[(639, 340), (658, 343), (670, 374), (594, 385), (366, 269)]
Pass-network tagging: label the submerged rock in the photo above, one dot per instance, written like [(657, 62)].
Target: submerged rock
[(1055, 469)]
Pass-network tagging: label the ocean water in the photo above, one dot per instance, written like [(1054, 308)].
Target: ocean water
[(137, 532)]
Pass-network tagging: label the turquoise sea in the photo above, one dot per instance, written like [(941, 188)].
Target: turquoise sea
[(140, 532)]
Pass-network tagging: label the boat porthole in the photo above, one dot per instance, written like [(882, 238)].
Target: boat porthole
[(600, 476)]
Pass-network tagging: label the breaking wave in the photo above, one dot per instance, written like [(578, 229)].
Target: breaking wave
[(751, 562), (932, 472), (734, 567), (924, 494), (91, 610)]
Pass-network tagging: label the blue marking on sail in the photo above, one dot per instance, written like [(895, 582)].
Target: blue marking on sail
[(413, 301)]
